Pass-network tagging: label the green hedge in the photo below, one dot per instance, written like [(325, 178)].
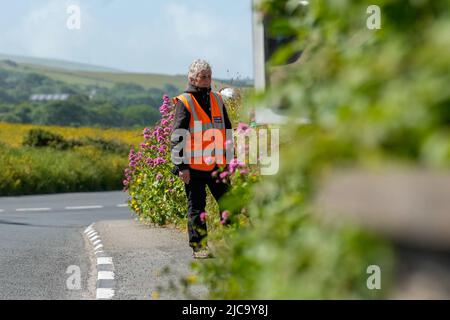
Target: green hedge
[(29, 170), (375, 98)]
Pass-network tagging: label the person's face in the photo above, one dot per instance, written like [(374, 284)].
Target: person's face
[(203, 79)]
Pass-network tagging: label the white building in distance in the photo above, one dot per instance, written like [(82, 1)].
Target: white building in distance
[(50, 97)]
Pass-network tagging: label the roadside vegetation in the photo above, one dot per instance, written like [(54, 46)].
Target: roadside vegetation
[(374, 97), (45, 159)]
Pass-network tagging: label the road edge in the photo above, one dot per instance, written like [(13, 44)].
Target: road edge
[(103, 263)]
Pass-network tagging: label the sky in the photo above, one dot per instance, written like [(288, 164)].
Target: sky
[(148, 36)]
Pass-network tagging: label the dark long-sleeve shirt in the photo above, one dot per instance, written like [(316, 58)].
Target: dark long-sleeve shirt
[(182, 119)]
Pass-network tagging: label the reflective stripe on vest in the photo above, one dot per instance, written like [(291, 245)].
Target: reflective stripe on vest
[(188, 102), (220, 104)]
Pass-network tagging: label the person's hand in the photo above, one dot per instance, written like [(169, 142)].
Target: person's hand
[(185, 175)]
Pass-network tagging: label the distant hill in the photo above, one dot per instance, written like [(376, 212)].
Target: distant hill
[(55, 63), (85, 74), (67, 72)]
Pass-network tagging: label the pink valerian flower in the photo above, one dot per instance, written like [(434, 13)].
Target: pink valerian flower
[(234, 164), (163, 109), (147, 133), (131, 154), (166, 99), (162, 149), (243, 172), (159, 132), (150, 162), (138, 156), (156, 139), (160, 160), (159, 176), (223, 175), (224, 217), (243, 127), (225, 214), (203, 216)]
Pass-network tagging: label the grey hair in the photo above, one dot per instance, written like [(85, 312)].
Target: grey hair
[(196, 67)]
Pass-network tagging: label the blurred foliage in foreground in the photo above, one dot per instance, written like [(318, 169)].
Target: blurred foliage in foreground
[(374, 97)]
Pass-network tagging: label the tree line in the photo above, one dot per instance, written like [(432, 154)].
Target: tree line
[(125, 105)]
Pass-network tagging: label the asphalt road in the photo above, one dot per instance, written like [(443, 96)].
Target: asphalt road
[(149, 262), (42, 236)]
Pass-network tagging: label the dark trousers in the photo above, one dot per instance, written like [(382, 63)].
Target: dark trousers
[(196, 195)]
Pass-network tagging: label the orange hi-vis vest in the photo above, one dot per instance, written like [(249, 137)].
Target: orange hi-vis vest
[(207, 144)]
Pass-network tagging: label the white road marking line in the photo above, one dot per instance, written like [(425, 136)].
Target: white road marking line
[(89, 228), (94, 237), (33, 209), (105, 293), (105, 275), (102, 293), (122, 205), (83, 207), (104, 260)]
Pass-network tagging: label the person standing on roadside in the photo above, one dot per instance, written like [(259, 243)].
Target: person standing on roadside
[(197, 110)]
